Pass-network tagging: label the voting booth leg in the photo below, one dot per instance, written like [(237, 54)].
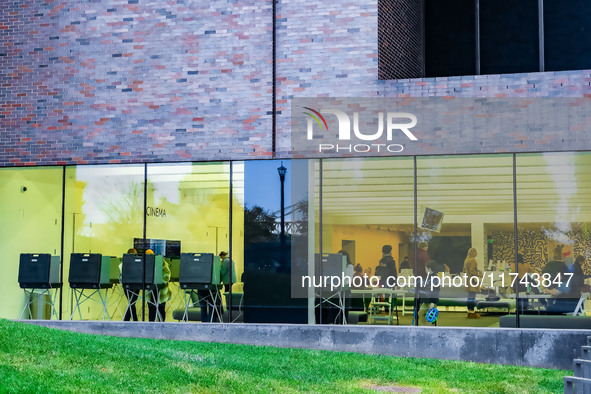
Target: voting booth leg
[(28, 303), (217, 306), (132, 298), (78, 296), (118, 292), (341, 316), (335, 301), (29, 299), (104, 302), (212, 301), (154, 312), (188, 303)]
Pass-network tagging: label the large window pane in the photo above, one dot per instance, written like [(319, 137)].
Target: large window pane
[(567, 35), (554, 212), (30, 222), (463, 202), (104, 213), (367, 212), (508, 36), (268, 232), (450, 38), (187, 211)]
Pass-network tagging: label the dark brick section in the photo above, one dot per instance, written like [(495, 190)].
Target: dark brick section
[(124, 81), (400, 39)]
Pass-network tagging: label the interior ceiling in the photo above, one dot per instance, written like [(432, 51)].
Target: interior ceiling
[(550, 186)]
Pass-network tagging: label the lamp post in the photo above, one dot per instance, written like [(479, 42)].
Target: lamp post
[(282, 171)]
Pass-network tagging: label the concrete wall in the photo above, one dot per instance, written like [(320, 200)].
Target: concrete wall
[(525, 347)]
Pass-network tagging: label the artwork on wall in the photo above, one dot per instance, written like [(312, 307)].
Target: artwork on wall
[(534, 246)]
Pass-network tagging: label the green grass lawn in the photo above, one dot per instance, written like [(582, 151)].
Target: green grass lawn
[(38, 359)]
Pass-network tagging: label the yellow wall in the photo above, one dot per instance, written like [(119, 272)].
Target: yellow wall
[(30, 222), (368, 243)]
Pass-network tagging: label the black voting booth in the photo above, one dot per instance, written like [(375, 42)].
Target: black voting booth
[(141, 272), (199, 275), (90, 272), (39, 273), (330, 301), (132, 271)]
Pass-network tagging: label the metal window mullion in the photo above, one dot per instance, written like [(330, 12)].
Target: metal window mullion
[(320, 231), (541, 34), (477, 33), (144, 242), (230, 249), (416, 264), (62, 241), (517, 309)]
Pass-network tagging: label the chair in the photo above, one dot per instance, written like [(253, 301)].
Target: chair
[(386, 302), (580, 309)]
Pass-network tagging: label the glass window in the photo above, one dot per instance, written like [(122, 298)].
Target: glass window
[(269, 228), (567, 35), (30, 217), (554, 212), (367, 215), (104, 213), (188, 211), (463, 202), (450, 38), (509, 36)]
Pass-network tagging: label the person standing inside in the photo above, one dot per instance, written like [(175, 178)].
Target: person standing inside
[(522, 270), (161, 294), (227, 265), (225, 269), (471, 270), (130, 312), (422, 259), (566, 292), (405, 265), (386, 267), (578, 278)]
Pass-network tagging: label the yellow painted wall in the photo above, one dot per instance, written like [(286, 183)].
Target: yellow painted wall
[(368, 243), (30, 222)]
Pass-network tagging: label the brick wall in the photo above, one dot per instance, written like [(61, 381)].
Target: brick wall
[(134, 80), (119, 81), (331, 50)]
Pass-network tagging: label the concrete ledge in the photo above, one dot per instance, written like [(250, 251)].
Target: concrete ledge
[(545, 348)]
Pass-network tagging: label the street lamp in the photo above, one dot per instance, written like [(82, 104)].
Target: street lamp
[(282, 171)]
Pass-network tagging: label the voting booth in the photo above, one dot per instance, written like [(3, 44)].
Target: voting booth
[(89, 274), (39, 277), (199, 276)]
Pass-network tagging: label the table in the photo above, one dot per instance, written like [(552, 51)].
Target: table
[(532, 297)]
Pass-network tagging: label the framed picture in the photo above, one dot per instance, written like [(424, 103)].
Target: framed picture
[(432, 220)]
